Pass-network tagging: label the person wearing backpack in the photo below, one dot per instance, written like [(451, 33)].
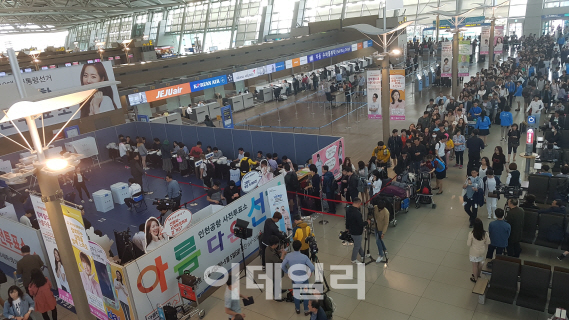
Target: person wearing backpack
[(515, 218), (440, 171), (245, 164)]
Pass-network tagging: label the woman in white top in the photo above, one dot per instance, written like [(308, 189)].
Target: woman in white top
[(375, 182), (122, 295), (60, 271), (478, 241), (154, 234), (484, 163)]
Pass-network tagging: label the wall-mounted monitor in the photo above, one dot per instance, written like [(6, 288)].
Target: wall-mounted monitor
[(97, 60), (68, 64), (53, 66), (44, 67), (75, 63), (89, 61), (28, 70), (137, 98)]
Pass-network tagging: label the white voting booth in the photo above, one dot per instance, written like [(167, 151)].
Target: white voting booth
[(86, 147)]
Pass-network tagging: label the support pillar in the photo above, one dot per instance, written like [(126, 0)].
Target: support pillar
[(385, 97)]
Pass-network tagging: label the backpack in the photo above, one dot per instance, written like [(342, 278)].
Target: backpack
[(440, 165), (555, 233), (291, 182), (329, 306), (244, 166)]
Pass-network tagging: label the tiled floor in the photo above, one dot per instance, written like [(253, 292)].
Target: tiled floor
[(427, 276)]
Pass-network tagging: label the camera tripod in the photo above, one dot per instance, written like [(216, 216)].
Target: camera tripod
[(245, 272), (367, 242), (315, 261)]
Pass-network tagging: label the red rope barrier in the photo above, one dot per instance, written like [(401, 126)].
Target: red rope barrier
[(326, 213)]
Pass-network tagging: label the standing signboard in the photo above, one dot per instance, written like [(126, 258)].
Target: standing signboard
[(374, 94)]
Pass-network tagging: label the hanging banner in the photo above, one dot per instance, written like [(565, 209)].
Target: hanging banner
[(446, 59), (484, 40), (121, 308), (332, 156), (87, 268), (52, 252), (278, 202), (498, 39), (374, 94), (464, 52), (13, 236), (397, 94)]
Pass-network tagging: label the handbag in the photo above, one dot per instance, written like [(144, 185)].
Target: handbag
[(179, 159)]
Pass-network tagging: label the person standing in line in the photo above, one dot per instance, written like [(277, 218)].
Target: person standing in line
[(498, 163), (300, 269), (40, 289), (329, 188), (270, 229), (166, 157), (381, 216), (137, 172), (499, 231), (394, 144), (513, 141), (123, 152), (490, 185), (142, 151), (79, 180), (232, 298), (471, 185), (475, 145), (478, 241), (355, 225), (515, 218), (25, 265), (174, 191)]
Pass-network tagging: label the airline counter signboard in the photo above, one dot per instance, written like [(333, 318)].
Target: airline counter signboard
[(200, 85), (168, 92)]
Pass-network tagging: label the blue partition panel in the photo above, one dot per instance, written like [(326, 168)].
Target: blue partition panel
[(262, 141), (305, 145), (189, 135), (128, 129), (224, 142), (283, 143), (174, 133), (206, 136), (324, 141), (104, 137), (158, 130), (242, 139), (143, 130)]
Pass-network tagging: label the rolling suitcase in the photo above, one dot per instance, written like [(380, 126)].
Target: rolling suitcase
[(395, 191)]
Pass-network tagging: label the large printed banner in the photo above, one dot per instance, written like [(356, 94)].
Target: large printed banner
[(374, 94), (464, 52), (44, 81), (485, 40), (397, 94), (498, 39), (13, 236), (332, 156), (278, 202), (209, 242), (446, 59), (87, 268)]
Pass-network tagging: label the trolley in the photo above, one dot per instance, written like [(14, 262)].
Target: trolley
[(187, 285)]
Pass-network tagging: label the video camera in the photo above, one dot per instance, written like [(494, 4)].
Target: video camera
[(312, 245), (164, 204), (510, 192)]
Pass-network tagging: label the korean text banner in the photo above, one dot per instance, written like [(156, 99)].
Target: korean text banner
[(209, 242), (397, 94), (85, 262), (484, 40), (332, 156), (44, 81), (446, 60), (13, 236), (278, 201), (52, 251), (498, 39), (374, 94), (464, 52)]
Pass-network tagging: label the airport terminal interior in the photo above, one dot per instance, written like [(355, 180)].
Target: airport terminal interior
[(138, 136)]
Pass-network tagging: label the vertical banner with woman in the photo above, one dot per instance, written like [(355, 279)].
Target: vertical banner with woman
[(374, 94), (464, 52), (485, 40), (87, 268), (278, 202), (446, 59), (397, 94), (498, 39)]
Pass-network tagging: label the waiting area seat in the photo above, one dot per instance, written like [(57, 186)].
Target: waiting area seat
[(559, 290), (504, 281), (551, 230), (534, 284), (530, 225)]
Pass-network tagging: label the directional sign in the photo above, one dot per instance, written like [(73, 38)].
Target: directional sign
[(531, 120)]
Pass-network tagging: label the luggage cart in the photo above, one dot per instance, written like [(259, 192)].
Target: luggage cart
[(187, 285)]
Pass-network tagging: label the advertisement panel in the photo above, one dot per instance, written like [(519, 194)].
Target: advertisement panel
[(354, 47), (122, 307), (464, 52), (168, 92), (52, 251), (210, 242), (303, 60), (244, 75), (154, 234), (279, 66), (288, 64), (200, 85), (397, 94), (318, 56), (484, 39), (374, 94), (45, 81), (227, 117), (278, 201), (446, 60), (332, 156), (83, 257), (13, 236), (498, 39), (296, 62)]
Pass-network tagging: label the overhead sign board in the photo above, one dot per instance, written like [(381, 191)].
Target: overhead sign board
[(208, 83), (168, 92), (468, 22)]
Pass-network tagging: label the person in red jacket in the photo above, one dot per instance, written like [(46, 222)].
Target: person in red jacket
[(40, 290)]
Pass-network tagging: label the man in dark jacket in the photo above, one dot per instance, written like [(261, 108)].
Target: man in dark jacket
[(424, 121), (328, 188), (355, 225), (351, 190), (316, 310), (270, 229), (515, 218), (137, 171), (557, 207), (394, 144), (475, 145)]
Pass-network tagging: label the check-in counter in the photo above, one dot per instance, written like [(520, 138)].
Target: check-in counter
[(351, 67), (266, 94), (173, 118), (340, 98), (214, 110), (237, 103), (248, 100), (199, 113), (363, 63)]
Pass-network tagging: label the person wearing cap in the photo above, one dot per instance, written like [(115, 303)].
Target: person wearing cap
[(302, 231)]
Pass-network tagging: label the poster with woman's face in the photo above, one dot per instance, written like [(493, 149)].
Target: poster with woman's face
[(374, 94), (396, 94), (498, 39), (155, 235), (52, 80)]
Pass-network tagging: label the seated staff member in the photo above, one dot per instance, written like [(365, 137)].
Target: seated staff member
[(231, 192), (133, 189), (214, 195)]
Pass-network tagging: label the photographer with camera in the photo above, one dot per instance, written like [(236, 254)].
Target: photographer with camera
[(302, 231), (163, 208), (300, 262), (270, 229), (355, 225), (174, 191), (274, 256)]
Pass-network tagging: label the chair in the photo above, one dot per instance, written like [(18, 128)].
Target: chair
[(559, 294), (330, 98), (564, 144), (538, 186), (552, 192), (549, 224), (504, 281), (534, 284), (530, 225), (138, 199)]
